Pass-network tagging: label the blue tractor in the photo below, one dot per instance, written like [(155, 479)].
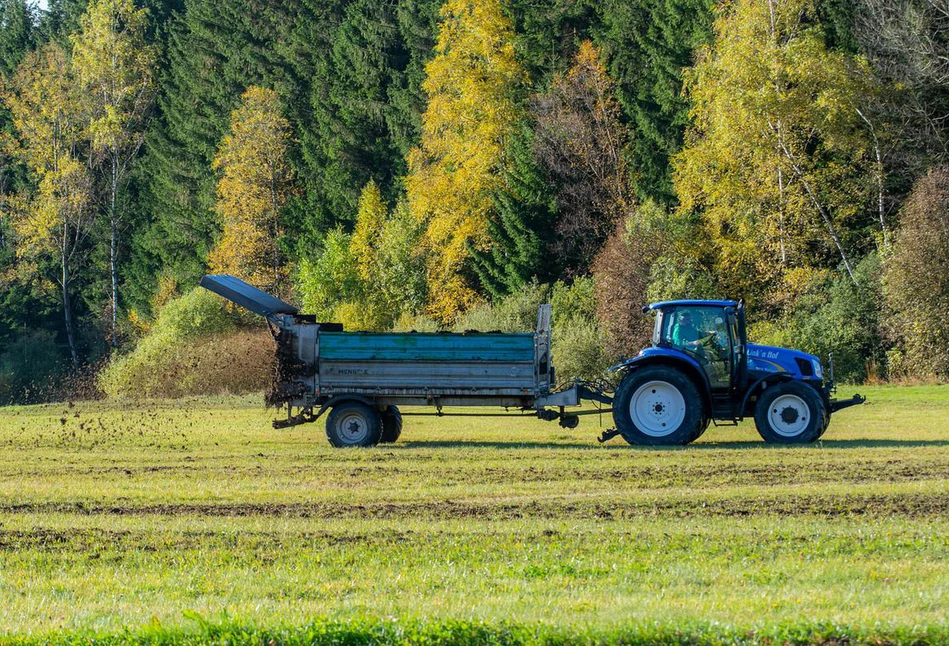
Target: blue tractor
[(701, 369)]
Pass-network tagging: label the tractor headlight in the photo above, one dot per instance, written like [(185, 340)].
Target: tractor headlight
[(818, 371)]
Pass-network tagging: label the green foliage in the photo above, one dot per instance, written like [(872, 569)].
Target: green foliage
[(369, 279), (330, 279), (777, 161), (17, 34), (833, 316), (579, 345), (215, 50), (516, 312)]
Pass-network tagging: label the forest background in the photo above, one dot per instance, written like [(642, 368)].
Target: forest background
[(447, 164)]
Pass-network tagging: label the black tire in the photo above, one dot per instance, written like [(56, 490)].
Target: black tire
[(675, 402), (391, 425), (790, 412), (352, 423)]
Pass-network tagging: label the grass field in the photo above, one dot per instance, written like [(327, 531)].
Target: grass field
[(167, 517)]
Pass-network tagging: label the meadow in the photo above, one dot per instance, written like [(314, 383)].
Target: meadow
[(187, 520)]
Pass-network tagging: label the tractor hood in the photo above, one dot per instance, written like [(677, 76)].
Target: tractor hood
[(800, 365)]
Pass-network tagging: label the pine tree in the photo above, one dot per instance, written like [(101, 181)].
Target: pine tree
[(17, 34), (216, 49)]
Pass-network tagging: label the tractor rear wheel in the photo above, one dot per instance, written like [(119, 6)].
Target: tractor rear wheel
[(790, 413), (391, 425), (658, 405), (352, 423)]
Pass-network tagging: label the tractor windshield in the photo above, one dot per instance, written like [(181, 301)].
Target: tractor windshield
[(701, 332)]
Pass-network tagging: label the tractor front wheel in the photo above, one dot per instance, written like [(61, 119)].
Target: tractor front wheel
[(658, 405), (352, 423), (790, 413)]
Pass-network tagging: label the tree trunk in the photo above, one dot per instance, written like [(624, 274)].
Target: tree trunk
[(67, 313), (828, 221), (114, 251)]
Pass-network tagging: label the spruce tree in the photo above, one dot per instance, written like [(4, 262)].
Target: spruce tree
[(521, 227), (648, 43), (17, 34)]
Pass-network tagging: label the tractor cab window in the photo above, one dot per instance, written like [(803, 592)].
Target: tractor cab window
[(703, 333)]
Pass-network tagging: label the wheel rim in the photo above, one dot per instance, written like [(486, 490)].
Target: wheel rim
[(657, 408), (353, 428), (789, 415)]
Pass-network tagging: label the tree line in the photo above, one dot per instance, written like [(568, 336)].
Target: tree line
[(425, 164)]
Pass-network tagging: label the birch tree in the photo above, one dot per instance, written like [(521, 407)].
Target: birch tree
[(114, 67), (777, 160), (56, 218)]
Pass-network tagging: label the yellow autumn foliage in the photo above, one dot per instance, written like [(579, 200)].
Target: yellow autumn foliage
[(472, 84), (370, 221), (254, 186)]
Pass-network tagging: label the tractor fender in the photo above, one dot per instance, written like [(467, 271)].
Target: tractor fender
[(676, 359), (767, 380)]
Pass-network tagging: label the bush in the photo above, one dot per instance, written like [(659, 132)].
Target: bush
[(195, 347), (621, 271), (579, 345), (917, 282), (516, 312), (830, 315)]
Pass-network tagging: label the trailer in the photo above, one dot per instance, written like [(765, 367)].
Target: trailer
[(699, 370), (360, 380)]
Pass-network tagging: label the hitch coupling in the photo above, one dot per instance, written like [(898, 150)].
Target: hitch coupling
[(840, 404)]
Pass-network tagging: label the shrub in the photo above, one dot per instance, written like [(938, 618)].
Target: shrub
[(621, 271), (579, 346), (917, 281), (828, 314), (516, 312), (195, 347)]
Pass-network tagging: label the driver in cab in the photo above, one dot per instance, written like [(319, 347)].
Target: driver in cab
[(684, 334)]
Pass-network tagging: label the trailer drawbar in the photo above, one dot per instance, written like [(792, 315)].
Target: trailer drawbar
[(699, 369)]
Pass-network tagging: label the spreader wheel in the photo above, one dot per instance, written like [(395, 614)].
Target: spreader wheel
[(391, 425), (352, 423), (658, 405), (790, 413)]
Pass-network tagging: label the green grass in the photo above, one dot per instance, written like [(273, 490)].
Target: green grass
[(147, 517)]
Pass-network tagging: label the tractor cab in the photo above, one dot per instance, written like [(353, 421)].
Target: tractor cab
[(711, 333)]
